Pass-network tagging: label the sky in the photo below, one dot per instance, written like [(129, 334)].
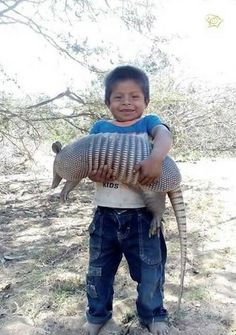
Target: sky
[(204, 52)]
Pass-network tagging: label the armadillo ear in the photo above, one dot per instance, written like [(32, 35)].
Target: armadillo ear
[(56, 147)]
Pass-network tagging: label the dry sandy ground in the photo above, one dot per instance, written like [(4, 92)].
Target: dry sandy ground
[(44, 252)]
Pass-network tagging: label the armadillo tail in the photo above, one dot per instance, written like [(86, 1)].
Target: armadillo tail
[(56, 147), (56, 180), (176, 199)]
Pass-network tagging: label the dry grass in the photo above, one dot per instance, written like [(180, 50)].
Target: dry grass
[(44, 252)]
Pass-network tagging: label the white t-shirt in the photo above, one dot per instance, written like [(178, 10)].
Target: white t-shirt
[(117, 195)]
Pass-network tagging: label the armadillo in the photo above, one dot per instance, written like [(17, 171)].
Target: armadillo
[(121, 152)]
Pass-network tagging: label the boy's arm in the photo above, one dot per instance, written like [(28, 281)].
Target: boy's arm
[(150, 168)]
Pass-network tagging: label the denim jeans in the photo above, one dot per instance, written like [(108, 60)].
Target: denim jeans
[(114, 232)]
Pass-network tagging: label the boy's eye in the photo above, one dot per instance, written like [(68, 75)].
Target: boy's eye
[(117, 97), (135, 96)]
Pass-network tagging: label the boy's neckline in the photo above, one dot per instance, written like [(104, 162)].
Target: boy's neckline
[(124, 123)]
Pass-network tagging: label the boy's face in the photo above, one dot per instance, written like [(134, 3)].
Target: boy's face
[(127, 101)]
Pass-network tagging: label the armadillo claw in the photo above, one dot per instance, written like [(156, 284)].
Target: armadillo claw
[(63, 196), (154, 228)]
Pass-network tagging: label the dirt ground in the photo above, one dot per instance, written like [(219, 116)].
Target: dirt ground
[(44, 253)]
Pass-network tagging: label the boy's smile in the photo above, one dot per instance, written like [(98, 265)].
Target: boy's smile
[(127, 101)]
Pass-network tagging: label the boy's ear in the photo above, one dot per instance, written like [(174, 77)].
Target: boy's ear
[(146, 102)]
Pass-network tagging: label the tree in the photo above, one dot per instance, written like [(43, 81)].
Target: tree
[(63, 25)]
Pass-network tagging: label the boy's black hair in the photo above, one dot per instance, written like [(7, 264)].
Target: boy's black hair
[(126, 72)]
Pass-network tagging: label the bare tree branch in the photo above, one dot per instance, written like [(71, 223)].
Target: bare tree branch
[(67, 93), (59, 96), (8, 114), (9, 8), (64, 117), (83, 130), (33, 25)]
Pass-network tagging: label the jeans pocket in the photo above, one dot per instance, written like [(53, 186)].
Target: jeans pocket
[(93, 278), (95, 241), (149, 247)]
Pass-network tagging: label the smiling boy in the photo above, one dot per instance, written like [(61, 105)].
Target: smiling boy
[(121, 222)]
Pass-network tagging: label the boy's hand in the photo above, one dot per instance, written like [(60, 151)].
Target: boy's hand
[(150, 170), (104, 173)]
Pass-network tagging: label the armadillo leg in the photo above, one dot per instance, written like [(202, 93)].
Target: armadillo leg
[(56, 180), (155, 202), (68, 187), (176, 199)]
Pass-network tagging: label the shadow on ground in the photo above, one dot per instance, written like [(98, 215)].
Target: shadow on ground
[(44, 253)]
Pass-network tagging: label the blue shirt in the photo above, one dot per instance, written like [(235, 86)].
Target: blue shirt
[(115, 194), (143, 125)]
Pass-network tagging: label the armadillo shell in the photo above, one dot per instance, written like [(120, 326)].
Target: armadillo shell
[(122, 152)]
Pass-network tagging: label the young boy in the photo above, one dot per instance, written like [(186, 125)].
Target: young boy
[(121, 222)]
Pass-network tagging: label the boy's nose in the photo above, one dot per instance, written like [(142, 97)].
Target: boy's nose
[(126, 101)]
